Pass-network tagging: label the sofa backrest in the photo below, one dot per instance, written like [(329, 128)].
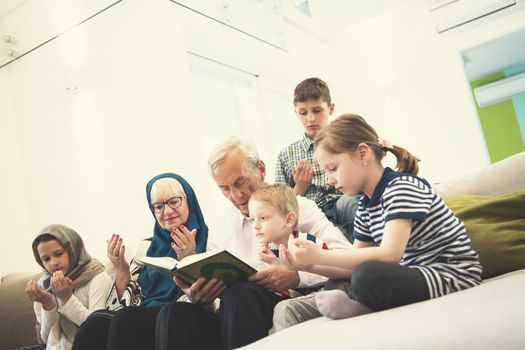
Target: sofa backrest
[(505, 176)]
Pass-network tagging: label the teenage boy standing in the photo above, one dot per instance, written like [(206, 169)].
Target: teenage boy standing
[(296, 166)]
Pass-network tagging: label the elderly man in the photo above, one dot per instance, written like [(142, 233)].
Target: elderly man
[(246, 308)]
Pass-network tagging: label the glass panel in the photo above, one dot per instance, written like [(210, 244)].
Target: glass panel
[(23, 32), (502, 120)]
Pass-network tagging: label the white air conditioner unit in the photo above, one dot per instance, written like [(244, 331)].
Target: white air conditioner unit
[(500, 90), (451, 14)]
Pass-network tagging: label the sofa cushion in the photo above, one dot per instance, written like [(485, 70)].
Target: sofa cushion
[(17, 318), (488, 316), (496, 227)]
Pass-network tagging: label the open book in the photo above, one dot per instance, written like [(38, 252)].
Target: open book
[(219, 264)]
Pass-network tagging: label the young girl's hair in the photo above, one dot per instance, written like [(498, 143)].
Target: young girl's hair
[(346, 132), (279, 196)]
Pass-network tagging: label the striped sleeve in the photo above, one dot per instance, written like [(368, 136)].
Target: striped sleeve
[(362, 225), (309, 237), (407, 198)]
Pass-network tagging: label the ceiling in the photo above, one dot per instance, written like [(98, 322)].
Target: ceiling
[(338, 15), (271, 19), (320, 18), (275, 20)]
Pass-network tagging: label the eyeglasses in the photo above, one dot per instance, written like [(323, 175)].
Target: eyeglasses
[(173, 203)]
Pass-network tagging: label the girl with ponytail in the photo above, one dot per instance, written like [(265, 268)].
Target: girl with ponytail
[(409, 245)]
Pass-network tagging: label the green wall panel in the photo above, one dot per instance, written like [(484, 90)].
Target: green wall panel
[(499, 124)]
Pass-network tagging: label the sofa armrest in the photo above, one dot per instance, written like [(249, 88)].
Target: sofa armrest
[(17, 317)]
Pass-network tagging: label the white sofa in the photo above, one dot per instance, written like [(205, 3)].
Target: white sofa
[(490, 316)]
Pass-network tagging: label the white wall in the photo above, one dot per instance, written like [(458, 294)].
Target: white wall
[(82, 157), (410, 83), (15, 205)]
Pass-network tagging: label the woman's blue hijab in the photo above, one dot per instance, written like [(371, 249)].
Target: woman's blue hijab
[(157, 288)]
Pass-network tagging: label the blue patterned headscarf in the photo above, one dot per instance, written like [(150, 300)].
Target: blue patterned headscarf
[(157, 288)]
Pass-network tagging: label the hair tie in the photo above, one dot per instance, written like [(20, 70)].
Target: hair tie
[(384, 143)]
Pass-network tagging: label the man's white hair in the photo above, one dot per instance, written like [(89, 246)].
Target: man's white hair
[(247, 149)]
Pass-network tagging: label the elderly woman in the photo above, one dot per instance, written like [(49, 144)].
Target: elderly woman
[(141, 292)]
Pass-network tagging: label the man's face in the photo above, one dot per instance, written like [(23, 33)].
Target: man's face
[(237, 180), (313, 115)]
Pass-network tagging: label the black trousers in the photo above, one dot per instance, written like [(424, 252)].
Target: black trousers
[(245, 316), (134, 327), (246, 313), (382, 286)]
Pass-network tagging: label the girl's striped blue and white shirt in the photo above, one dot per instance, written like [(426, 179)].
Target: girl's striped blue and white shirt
[(438, 245)]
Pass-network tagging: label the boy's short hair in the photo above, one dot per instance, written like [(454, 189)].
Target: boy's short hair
[(311, 89), (279, 196)]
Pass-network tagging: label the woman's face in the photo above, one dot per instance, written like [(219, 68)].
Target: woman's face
[(54, 256), (170, 209)]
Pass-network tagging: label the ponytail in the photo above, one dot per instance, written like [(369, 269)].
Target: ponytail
[(349, 130), (406, 161)]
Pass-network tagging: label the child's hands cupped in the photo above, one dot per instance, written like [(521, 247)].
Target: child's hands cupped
[(266, 255), (183, 241), (115, 252), (305, 252), (37, 294), (62, 286)]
